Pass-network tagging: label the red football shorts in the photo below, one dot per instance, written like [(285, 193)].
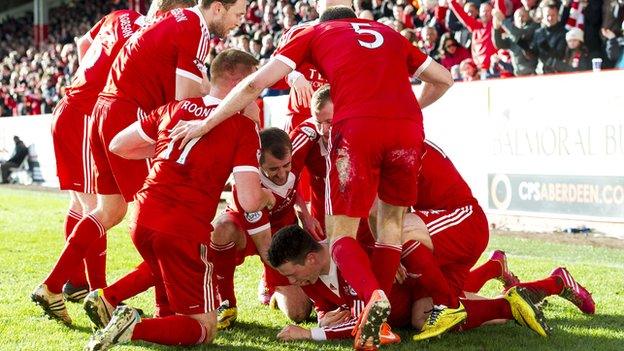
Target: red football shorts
[(459, 238), (70, 124), (114, 174), (370, 156), (180, 267)]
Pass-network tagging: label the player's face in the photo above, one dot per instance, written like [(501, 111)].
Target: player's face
[(298, 274), (229, 18), (324, 119), (275, 169)]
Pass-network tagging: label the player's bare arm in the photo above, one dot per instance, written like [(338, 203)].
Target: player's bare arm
[(310, 223), (240, 97), (436, 81), (262, 241), (293, 332), (132, 143), (251, 196), (302, 89)]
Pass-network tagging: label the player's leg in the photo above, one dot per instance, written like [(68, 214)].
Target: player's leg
[(77, 286), (353, 173), (495, 267), (293, 302)]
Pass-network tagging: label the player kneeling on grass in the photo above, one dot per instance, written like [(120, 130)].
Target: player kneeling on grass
[(176, 205), (308, 263)]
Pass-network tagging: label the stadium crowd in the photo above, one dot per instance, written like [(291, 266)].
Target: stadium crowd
[(475, 39)]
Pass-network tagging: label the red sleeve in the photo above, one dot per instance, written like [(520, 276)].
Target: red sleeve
[(252, 222), (93, 32), (248, 146), (417, 61), (193, 48), (471, 23), (335, 332), (303, 139), (296, 50)]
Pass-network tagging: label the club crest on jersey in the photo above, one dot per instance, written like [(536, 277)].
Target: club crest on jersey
[(200, 66), (253, 217), (309, 131)]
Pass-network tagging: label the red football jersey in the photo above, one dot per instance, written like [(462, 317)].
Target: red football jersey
[(368, 65), (309, 72), (145, 70), (440, 186), (309, 151), (107, 37), (281, 215), (182, 191)]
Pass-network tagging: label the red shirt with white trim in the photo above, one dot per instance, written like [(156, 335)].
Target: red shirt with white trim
[(440, 186), (182, 191), (281, 215), (145, 70), (368, 65), (107, 37)]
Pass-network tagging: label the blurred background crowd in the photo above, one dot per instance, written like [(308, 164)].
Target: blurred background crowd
[(474, 39)]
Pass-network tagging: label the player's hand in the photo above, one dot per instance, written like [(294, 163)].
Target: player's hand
[(313, 226), (303, 92), (335, 317), (401, 274), (188, 130), (607, 33), (294, 332)]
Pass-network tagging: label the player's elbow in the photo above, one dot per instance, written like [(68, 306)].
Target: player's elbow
[(251, 201), (447, 80), (117, 147)]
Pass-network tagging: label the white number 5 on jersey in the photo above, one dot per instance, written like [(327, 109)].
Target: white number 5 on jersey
[(371, 45)]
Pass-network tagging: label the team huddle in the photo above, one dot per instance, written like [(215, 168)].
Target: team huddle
[(390, 232)]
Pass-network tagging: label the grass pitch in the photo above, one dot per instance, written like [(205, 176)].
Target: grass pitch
[(31, 239)]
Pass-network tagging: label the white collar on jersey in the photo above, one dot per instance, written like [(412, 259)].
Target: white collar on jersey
[(211, 100), (331, 279), (202, 20), (281, 190), (142, 21)]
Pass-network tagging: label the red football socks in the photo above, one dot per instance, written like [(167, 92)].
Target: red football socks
[(86, 232), (96, 263), (170, 330), (354, 266), (224, 260), (545, 287), (480, 275), (481, 311), (385, 262), (78, 278), (131, 284), (418, 259)]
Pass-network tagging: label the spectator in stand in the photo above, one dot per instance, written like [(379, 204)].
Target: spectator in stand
[(531, 6), (255, 48), (366, 14), (549, 42), (615, 47), (481, 29), (19, 155), (469, 70), (451, 53), (613, 16), (576, 56), (516, 37), (382, 8), (429, 42), (268, 47), (500, 65)]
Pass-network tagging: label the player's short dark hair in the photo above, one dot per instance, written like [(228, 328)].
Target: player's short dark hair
[(232, 61), (319, 99), (291, 244), (226, 3), (337, 12), (276, 142)]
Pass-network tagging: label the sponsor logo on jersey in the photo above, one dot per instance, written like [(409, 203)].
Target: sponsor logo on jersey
[(253, 217), (309, 131)]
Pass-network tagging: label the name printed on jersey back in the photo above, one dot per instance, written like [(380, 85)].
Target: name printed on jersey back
[(196, 110)]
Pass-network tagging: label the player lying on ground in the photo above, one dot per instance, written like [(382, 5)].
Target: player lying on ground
[(308, 263)]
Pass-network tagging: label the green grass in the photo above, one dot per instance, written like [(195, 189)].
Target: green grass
[(31, 239)]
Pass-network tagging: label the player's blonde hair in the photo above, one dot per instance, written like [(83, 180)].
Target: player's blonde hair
[(319, 99), (232, 63), (168, 5)]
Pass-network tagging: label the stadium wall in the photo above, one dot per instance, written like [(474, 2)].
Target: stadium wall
[(540, 153)]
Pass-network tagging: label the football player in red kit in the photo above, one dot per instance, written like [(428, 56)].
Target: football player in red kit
[(359, 168), (175, 208)]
